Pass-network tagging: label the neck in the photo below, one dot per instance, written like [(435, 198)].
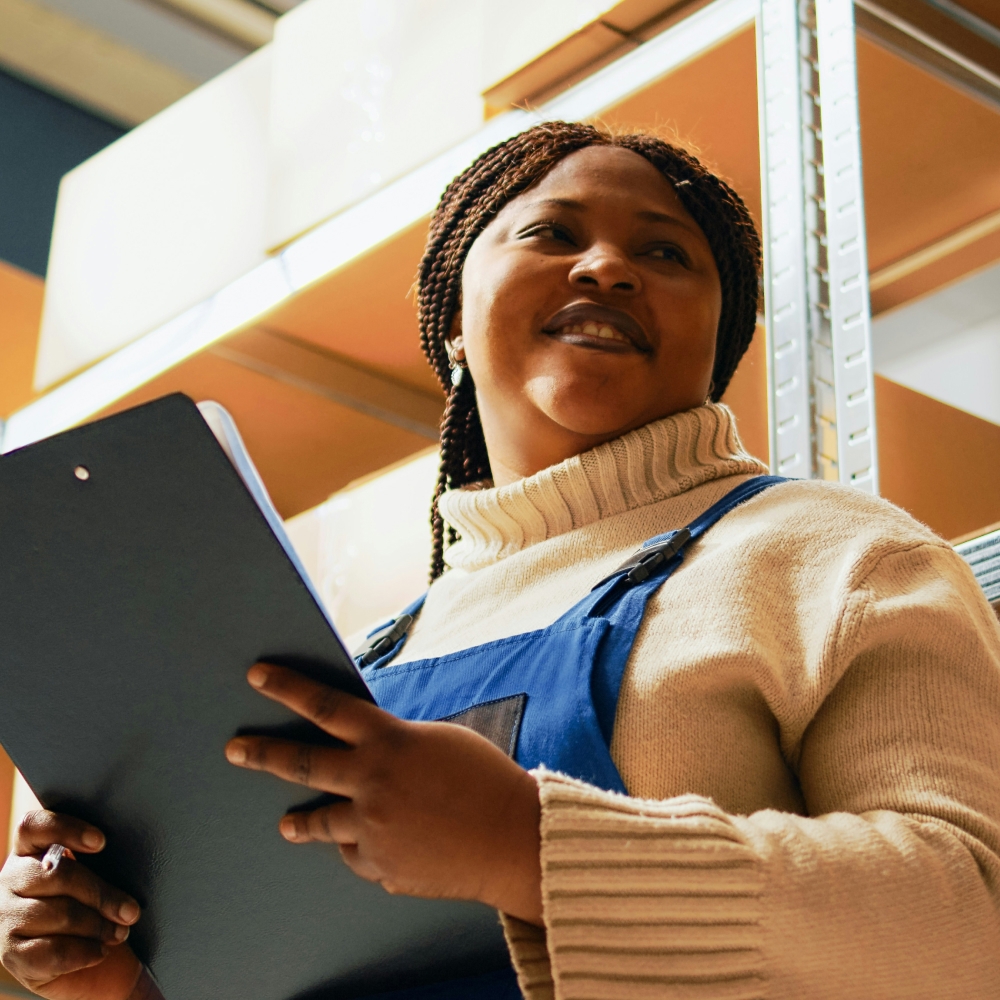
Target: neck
[(509, 465), (518, 456), (522, 441)]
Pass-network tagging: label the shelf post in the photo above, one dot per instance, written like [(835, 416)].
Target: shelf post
[(817, 312)]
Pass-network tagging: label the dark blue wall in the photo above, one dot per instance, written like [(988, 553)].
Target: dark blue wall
[(41, 137)]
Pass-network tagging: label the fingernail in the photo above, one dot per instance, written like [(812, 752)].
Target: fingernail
[(129, 912), (92, 838), (120, 933), (236, 753), (257, 675), (288, 829)]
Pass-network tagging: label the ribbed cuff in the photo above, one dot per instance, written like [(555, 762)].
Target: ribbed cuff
[(642, 899), (530, 955)]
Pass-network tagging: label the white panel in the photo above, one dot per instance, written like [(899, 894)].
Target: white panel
[(158, 221), (940, 315), (363, 93), (962, 371), (947, 345)]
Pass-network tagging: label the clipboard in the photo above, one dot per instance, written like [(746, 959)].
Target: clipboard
[(139, 580)]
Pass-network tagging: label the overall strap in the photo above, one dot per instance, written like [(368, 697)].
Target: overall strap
[(660, 555), (621, 597)]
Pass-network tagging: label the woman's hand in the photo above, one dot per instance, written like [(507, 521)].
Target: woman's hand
[(61, 931), (432, 809)]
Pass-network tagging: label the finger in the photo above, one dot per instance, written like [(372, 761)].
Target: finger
[(62, 915), (39, 830), (42, 959), (342, 715), (327, 769), (30, 881), (332, 824)]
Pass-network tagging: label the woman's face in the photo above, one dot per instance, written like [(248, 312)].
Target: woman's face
[(589, 307)]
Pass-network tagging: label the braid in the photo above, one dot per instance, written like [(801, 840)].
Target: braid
[(475, 197)]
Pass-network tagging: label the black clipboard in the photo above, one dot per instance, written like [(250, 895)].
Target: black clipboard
[(134, 595)]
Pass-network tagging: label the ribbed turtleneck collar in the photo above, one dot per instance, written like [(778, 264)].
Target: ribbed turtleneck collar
[(646, 465)]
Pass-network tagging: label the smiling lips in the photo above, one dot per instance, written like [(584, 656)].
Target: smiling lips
[(605, 332), (588, 324)]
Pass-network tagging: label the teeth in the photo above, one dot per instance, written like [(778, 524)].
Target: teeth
[(591, 329)]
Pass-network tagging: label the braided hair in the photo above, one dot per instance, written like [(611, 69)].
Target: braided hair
[(474, 198)]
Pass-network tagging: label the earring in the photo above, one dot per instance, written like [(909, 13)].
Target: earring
[(456, 355)]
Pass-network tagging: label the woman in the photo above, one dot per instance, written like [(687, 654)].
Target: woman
[(764, 755)]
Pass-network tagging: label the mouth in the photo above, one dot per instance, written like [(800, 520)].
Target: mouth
[(586, 324)]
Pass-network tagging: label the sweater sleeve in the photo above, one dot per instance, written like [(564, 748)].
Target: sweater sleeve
[(888, 888)]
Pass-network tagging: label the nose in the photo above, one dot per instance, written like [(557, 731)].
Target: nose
[(605, 268)]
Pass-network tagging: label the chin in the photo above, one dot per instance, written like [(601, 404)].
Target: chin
[(600, 421), (596, 422)]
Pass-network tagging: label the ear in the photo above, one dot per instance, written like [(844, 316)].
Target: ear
[(455, 343)]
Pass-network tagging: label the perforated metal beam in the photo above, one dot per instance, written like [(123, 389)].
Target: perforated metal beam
[(817, 313), (786, 313)]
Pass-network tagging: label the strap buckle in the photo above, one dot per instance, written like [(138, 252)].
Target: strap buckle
[(641, 565), (383, 640)]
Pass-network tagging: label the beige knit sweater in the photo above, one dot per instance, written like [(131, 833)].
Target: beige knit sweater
[(809, 730)]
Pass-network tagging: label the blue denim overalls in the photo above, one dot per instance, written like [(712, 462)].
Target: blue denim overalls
[(544, 697)]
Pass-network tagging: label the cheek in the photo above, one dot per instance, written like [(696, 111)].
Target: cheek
[(691, 320), (501, 306), (488, 305)]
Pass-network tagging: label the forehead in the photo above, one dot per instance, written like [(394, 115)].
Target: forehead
[(605, 175)]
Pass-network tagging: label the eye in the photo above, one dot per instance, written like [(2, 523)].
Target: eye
[(548, 231), (668, 252)]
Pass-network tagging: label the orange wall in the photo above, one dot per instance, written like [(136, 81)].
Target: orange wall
[(931, 156), (20, 319), (708, 105), (746, 396), (939, 463)]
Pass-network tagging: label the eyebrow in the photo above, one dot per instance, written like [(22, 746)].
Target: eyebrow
[(647, 215)]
